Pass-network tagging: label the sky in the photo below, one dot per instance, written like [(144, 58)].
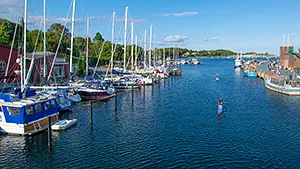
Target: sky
[(238, 25)]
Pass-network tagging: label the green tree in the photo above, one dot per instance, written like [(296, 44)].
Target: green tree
[(98, 38), (4, 34)]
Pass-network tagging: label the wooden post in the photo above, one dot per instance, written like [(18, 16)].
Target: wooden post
[(116, 103), (91, 112), (159, 79), (49, 133), (132, 96)]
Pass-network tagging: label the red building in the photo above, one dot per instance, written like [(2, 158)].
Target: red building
[(59, 74), (288, 60), (4, 56), (60, 69)]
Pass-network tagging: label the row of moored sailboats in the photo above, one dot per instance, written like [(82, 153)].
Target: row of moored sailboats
[(25, 109)]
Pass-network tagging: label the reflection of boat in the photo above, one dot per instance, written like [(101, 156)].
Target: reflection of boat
[(63, 124), (281, 85)]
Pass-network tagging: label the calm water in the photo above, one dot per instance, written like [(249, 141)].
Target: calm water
[(174, 125)]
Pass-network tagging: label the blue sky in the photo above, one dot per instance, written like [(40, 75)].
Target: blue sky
[(239, 25)]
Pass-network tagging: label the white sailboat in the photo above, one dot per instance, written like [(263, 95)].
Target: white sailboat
[(65, 95)]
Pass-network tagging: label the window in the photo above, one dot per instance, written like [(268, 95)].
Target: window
[(38, 108), (47, 105), (53, 103), (59, 71), (29, 110), (2, 67), (13, 111)]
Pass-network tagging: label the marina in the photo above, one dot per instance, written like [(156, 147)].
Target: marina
[(141, 93), (154, 129)]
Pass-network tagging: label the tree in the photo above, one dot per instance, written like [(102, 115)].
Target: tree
[(53, 36), (98, 38), (4, 36)]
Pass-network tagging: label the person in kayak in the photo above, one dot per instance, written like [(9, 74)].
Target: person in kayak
[(220, 106)]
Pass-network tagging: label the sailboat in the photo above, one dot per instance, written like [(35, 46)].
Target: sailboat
[(125, 82), (97, 89), (65, 95), (23, 111)]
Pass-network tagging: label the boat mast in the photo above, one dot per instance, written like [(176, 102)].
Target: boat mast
[(24, 53), (125, 41), (164, 57), (174, 57), (87, 48), (44, 39), (136, 53), (72, 34), (154, 53), (145, 47), (12, 44), (112, 43), (150, 41), (132, 45)]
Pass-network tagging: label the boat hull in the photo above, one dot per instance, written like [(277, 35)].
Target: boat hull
[(63, 124), (287, 90), (27, 129), (94, 95)]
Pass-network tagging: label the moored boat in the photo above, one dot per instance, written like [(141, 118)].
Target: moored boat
[(28, 115), (63, 124), (281, 85), (250, 74), (96, 91)]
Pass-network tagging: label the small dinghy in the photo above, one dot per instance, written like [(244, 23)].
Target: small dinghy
[(63, 124)]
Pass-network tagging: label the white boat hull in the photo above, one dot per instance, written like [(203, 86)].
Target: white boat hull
[(285, 89), (63, 124), (27, 129)]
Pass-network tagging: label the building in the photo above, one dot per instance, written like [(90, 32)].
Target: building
[(287, 59), (60, 68), (4, 59), (60, 72)]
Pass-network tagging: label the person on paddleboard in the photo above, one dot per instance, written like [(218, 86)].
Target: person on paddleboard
[(217, 76), (220, 106)]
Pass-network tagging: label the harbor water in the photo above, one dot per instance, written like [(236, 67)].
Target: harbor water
[(173, 124)]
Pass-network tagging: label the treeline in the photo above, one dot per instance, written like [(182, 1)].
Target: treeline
[(98, 47)]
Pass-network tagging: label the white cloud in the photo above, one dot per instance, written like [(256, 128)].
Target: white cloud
[(180, 14), (209, 39), (176, 38), (9, 9)]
